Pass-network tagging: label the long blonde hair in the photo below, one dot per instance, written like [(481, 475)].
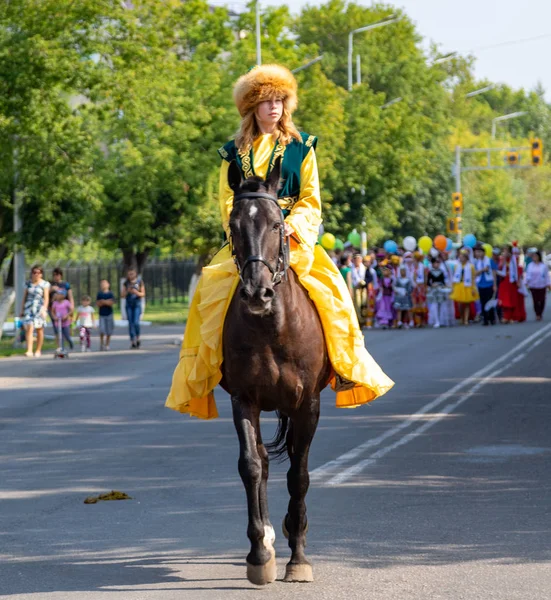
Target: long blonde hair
[(249, 130)]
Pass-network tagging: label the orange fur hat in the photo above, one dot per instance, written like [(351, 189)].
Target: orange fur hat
[(262, 83)]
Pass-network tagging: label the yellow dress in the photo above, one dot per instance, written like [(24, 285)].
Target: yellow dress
[(465, 294), (198, 370)]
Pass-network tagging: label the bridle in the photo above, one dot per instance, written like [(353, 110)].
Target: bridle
[(279, 272)]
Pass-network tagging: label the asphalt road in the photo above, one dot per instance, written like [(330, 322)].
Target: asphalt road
[(440, 490)]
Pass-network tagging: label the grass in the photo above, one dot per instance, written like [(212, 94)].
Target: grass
[(164, 314), (7, 349)]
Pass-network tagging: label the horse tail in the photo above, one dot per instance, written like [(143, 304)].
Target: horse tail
[(277, 448)]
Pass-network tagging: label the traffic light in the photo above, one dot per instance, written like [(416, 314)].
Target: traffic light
[(537, 152), (453, 225), (457, 203), (512, 159)]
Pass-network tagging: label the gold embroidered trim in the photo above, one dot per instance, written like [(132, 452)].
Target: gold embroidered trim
[(287, 203), (279, 151), (246, 164), (310, 141), (222, 152)]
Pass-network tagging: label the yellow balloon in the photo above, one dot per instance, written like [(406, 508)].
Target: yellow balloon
[(328, 241), (488, 250), (425, 244)]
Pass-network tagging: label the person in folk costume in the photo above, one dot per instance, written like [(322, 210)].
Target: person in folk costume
[(385, 313), (438, 293), (266, 98), (345, 269), (464, 291), (538, 281), (472, 306), (447, 316), (509, 286), (408, 262), (486, 283), (359, 287), (372, 289), (519, 314), (403, 303), (496, 261), (420, 311)]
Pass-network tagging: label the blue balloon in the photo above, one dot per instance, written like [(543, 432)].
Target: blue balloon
[(469, 240), (391, 246), (449, 245)]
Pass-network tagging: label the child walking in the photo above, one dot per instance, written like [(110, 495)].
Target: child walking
[(61, 310), (105, 300), (464, 286), (403, 303), (85, 321), (385, 300)]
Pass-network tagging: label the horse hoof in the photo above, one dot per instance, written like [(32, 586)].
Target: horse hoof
[(299, 573), (286, 531), (262, 574)]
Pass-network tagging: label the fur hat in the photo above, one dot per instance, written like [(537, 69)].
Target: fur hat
[(262, 83)]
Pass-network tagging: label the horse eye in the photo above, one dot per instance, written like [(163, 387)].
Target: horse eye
[(276, 227)]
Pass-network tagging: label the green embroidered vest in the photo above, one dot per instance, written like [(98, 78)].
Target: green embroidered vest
[(293, 154)]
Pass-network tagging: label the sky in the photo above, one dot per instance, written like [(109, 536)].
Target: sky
[(470, 25)]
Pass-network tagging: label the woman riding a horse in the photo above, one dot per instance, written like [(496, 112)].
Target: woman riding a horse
[(266, 98)]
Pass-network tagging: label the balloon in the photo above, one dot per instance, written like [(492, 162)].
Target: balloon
[(328, 241), (449, 245), (409, 243), (425, 244), (355, 239), (488, 250), (391, 246), (440, 242), (339, 244), (434, 252), (469, 240)]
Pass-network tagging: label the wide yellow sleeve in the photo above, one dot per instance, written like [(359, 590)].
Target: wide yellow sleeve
[(305, 216), (225, 197)]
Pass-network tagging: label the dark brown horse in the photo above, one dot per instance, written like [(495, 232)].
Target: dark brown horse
[(274, 359)]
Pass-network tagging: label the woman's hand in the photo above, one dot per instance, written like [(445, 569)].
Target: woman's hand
[(288, 229)]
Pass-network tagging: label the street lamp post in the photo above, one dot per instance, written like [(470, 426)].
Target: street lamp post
[(483, 90), (258, 47), (497, 120), (391, 102), (444, 59), (18, 253), (391, 19), (308, 64)]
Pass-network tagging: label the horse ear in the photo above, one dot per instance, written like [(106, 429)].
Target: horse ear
[(234, 176), (272, 181)]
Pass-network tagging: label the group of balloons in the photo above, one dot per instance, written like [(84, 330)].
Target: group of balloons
[(425, 244), (330, 242), (440, 243)]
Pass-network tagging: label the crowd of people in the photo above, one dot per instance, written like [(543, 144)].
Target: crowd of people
[(54, 299), (412, 290)]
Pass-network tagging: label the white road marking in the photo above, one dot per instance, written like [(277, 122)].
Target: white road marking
[(252, 211), (335, 465)]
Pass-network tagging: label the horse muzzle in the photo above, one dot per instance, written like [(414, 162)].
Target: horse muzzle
[(257, 299)]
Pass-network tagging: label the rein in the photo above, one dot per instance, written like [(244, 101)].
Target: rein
[(279, 272)]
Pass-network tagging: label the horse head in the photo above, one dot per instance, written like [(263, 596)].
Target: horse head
[(257, 237)]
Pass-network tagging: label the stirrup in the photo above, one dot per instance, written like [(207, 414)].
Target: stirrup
[(342, 384)]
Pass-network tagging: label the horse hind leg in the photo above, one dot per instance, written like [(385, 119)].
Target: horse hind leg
[(261, 563), (295, 523)]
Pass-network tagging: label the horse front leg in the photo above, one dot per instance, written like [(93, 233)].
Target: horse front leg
[(295, 524), (261, 564)]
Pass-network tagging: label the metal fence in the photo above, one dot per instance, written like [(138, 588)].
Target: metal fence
[(166, 281)]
